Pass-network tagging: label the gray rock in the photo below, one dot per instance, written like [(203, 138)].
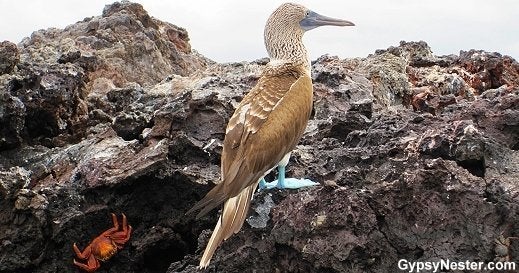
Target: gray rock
[(9, 57)]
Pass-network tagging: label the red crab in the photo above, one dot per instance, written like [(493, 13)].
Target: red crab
[(104, 246)]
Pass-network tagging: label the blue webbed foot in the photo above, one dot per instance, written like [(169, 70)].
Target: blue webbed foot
[(286, 183)]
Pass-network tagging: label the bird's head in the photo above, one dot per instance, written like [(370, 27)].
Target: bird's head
[(287, 24)]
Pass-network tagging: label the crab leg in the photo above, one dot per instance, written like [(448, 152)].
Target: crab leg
[(125, 224), (113, 229), (123, 236), (116, 223), (91, 266), (82, 255)]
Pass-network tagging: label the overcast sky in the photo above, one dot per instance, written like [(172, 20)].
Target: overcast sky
[(232, 30)]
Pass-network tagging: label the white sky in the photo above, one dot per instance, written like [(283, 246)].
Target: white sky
[(232, 30)]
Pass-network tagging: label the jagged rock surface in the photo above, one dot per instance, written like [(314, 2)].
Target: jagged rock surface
[(417, 154)]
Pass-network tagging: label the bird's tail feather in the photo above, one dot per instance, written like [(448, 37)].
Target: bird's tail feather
[(230, 222)]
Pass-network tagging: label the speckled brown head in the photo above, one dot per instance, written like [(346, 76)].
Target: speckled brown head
[(285, 28)]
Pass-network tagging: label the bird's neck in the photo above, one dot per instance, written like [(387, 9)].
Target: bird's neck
[(287, 49)]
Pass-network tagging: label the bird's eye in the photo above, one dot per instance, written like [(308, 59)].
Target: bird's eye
[(307, 13)]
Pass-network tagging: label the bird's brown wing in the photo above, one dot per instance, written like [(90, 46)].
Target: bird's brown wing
[(265, 126)]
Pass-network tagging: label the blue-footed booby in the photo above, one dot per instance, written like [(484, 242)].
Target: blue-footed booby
[(267, 124)]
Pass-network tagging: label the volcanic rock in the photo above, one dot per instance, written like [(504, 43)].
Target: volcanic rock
[(9, 57), (417, 155)]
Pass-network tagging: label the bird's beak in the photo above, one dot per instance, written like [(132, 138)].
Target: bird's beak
[(313, 20)]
